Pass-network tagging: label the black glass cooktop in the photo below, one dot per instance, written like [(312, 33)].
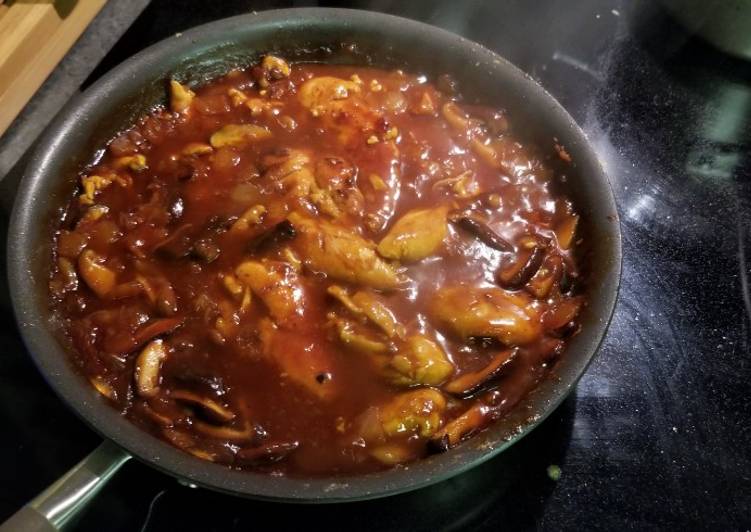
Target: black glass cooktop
[(658, 432)]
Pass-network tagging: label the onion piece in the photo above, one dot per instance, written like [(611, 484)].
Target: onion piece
[(202, 454), (104, 388), (566, 231), (455, 116), (562, 313)]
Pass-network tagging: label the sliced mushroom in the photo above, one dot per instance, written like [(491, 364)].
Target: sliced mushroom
[(205, 250), (178, 243), (481, 230), (266, 454), (542, 282), (179, 439), (104, 388), (455, 116), (246, 433), (212, 410), (469, 383), (148, 365), (125, 343), (166, 299), (158, 418), (520, 271), (486, 152), (125, 290), (473, 419), (97, 276), (279, 233)]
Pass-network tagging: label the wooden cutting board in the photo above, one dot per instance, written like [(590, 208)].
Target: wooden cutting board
[(34, 37)]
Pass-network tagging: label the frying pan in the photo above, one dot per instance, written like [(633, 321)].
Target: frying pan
[(313, 34)]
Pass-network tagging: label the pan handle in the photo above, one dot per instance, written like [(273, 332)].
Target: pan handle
[(58, 505)]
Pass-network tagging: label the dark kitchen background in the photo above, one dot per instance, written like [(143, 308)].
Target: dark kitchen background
[(658, 433)]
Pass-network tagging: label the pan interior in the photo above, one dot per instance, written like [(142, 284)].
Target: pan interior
[(321, 35)]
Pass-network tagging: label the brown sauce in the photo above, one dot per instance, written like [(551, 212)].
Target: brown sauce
[(316, 269)]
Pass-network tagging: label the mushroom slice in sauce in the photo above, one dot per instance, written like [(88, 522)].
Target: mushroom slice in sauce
[(266, 454), (520, 271), (210, 408), (148, 366), (126, 342), (469, 383), (246, 433), (481, 230), (460, 427)]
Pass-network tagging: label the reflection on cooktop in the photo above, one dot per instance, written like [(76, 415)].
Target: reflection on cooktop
[(656, 435)]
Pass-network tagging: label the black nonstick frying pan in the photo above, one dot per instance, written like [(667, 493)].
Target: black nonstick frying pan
[(316, 34)]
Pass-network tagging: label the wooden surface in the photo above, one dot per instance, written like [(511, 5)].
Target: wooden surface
[(34, 37)]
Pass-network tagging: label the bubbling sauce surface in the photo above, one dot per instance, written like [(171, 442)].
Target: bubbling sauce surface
[(312, 269)]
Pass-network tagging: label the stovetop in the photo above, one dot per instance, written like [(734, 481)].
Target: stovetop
[(657, 433)]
